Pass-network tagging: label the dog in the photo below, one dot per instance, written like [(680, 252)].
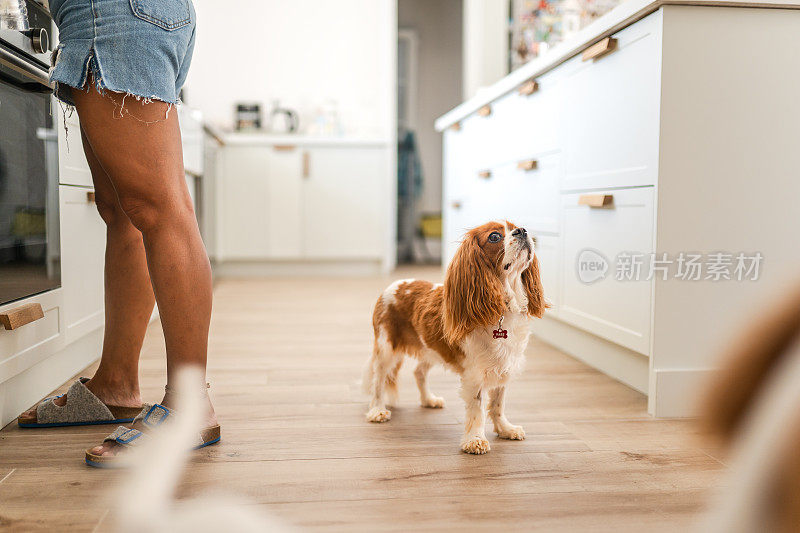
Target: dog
[(477, 324)]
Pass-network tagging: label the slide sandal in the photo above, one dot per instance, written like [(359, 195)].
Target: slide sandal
[(83, 408), (151, 416)]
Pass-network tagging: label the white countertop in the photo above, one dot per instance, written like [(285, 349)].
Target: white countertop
[(268, 139), (621, 16)]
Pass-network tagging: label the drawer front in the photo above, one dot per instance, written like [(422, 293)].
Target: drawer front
[(593, 237), (456, 199), (72, 166), (611, 113), (83, 241)]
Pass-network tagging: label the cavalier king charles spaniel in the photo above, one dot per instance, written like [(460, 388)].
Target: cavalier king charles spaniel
[(477, 324)]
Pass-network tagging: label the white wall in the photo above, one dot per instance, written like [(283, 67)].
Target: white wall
[(485, 44), (302, 52), (438, 28)]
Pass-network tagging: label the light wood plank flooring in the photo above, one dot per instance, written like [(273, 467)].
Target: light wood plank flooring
[(285, 367)]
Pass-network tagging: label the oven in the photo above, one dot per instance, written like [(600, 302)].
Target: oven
[(29, 229)]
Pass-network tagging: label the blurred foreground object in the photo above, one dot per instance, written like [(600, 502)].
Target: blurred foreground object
[(13, 15), (754, 406)]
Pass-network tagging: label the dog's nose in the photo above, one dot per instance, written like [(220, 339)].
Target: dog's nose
[(520, 233)]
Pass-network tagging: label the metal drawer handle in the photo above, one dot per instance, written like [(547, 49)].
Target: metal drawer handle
[(284, 147), (485, 174), (456, 205), (91, 197), (456, 126), (596, 200), (485, 111), (528, 88), (528, 165), (19, 316), (600, 48)]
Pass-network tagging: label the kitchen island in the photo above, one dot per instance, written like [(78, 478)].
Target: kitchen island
[(652, 155)]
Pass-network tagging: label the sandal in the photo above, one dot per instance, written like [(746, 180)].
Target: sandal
[(83, 408), (151, 416)]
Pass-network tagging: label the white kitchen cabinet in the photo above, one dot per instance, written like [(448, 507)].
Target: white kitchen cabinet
[(302, 202), (83, 242), (691, 140), (612, 308), (342, 197), (72, 166)]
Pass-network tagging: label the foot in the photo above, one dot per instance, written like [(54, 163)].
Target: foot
[(511, 432), (117, 394), (475, 445), (433, 402), (111, 448), (377, 414)]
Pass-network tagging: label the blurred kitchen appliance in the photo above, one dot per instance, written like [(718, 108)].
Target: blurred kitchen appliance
[(29, 229), (248, 117), (282, 120), (13, 15)]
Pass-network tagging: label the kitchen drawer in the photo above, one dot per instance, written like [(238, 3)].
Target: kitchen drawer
[(619, 311), (482, 140), (72, 166), (83, 241), (611, 113), (547, 252), (25, 346)]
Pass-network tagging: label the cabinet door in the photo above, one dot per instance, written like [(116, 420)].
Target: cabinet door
[(455, 197), (605, 266), (83, 243), (244, 223), (285, 213), (343, 195), (72, 166)]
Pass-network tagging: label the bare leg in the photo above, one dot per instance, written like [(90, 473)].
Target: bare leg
[(474, 440), (503, 428), (141, 154), (426, 397)]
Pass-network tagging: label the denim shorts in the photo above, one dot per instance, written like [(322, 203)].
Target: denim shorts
[(142, 48)]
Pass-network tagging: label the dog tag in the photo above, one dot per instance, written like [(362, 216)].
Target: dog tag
[(500, 333)]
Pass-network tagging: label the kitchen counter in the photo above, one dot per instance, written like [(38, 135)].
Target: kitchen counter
[(621, 16), (268, 139)]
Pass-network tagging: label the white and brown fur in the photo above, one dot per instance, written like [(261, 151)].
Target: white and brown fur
[(453, 324)]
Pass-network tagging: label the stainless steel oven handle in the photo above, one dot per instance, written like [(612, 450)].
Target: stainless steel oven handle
[(22, 67)]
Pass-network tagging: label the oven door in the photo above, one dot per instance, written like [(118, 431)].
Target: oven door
[(29, 231)]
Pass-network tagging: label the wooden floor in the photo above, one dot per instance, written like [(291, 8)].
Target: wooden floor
[(285, 367)]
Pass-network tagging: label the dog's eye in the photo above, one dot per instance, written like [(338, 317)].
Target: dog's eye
[(495, 237)]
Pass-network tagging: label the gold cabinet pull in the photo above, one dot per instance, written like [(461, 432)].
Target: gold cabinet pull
[(91, 197), (485, 174), (600, 48), (596, 200), (284, 147), (528, 88), (485, 111), (455, 205), (456, 126), (19, 316), (528, 165), (306, 164)]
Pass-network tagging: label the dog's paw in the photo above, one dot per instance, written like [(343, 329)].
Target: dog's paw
[(512, 433), (378, 415), (434, 402), (476, 446)]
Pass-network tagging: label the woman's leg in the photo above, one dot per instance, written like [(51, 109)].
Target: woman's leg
[(129, 296), (141, 153)]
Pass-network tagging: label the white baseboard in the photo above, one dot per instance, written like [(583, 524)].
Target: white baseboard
[(676, 391), (622, 364), (28, 387), (247, 269)]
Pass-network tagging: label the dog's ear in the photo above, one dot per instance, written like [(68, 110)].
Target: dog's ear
[(473, 292), (534, 291)]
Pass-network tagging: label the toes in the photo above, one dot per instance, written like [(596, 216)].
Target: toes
[(378, 415), (475, 446), (434, 402), (512, 433)]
